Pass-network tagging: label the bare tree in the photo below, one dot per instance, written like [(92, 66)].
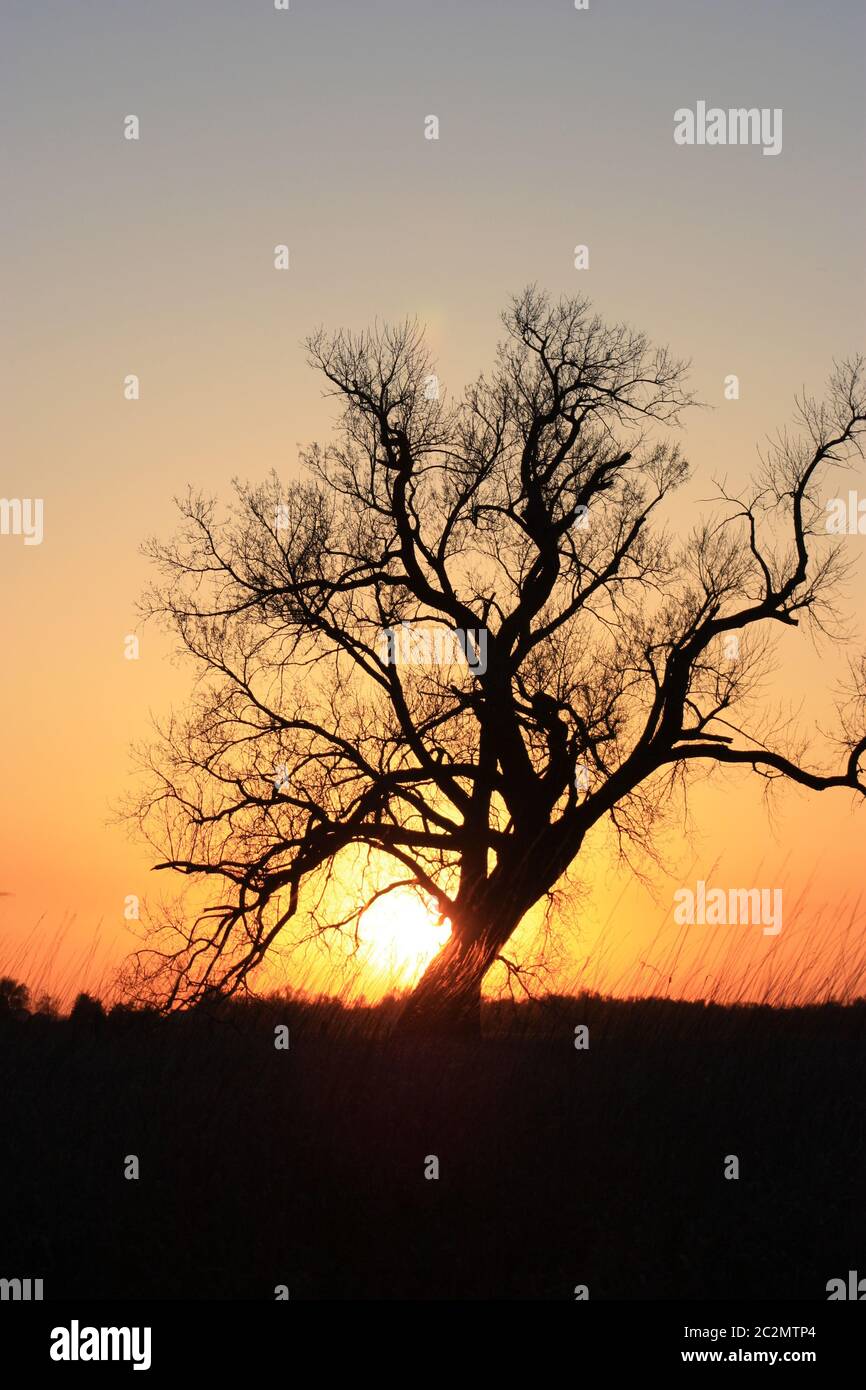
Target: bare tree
[(524, 515)]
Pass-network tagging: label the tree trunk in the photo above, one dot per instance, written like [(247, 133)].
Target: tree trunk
[(447, 999)]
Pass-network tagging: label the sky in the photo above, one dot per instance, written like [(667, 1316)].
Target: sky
[(306, 127)]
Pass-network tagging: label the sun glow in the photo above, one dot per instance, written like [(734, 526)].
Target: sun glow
[(400, 934)]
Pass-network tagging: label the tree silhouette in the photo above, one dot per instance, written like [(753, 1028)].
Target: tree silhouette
[(526, 516), (87, 1011), (14, 998)]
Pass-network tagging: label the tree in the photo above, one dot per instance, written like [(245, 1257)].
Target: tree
[(596, 677), (87, 1011), (47, 1006), (14, 998)]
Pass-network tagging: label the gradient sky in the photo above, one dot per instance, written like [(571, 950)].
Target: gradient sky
[(156, 257)]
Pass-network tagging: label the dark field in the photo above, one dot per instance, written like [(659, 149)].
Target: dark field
[(558, 1167)]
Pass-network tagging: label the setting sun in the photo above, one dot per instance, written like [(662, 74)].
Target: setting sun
[(399, 935)]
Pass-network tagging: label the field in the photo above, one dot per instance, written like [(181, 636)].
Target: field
[(558, 1167)]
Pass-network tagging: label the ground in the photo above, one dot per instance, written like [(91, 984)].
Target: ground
[(558, 1167)]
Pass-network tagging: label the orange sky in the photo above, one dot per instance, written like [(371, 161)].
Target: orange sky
[(156, 258)]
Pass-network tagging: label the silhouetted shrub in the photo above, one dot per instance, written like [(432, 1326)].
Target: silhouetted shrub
[(46, 1006), (14, 998), (87, 1011)]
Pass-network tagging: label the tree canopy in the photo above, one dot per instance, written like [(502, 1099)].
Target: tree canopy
[(530, 510)]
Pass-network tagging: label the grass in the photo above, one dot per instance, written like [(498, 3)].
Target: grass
[(558, 1167)]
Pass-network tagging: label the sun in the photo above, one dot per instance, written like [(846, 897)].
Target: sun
[(400, 934)]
